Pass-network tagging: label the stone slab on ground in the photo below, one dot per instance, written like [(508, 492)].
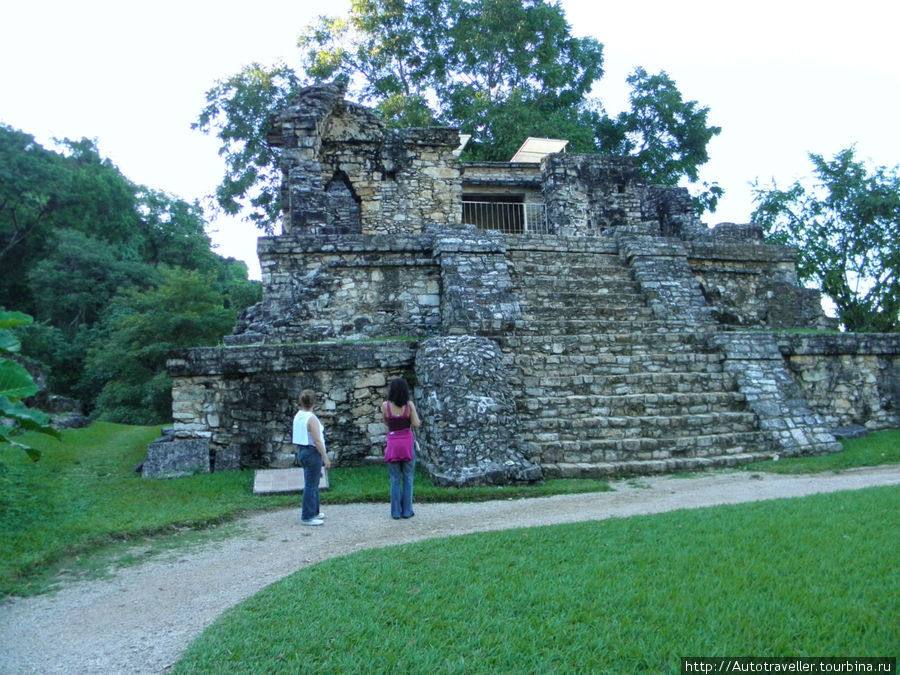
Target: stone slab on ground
[(283, 481)]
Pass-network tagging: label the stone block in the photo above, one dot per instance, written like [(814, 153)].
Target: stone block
[(176, 459), (371, 380), (228, 459)]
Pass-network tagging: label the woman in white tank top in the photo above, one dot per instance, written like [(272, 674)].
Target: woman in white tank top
[(309, 437)]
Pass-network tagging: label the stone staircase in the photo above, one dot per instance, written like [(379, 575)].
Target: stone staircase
[(605, 388)]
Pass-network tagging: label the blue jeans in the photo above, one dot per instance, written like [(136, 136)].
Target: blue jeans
[(401, 474), (311, 461)]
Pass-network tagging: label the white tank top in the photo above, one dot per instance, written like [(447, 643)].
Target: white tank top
[(301, 434)]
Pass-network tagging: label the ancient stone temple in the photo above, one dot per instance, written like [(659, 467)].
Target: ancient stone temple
[(556, 317)]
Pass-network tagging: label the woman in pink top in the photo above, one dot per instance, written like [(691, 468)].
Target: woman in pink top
[(398, 412)]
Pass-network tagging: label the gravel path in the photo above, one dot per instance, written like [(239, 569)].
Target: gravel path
[(140, 619)]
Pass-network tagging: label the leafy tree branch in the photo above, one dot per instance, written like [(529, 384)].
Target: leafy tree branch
[(846, 225)]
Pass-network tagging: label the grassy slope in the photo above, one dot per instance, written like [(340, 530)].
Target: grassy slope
[(875, 449)]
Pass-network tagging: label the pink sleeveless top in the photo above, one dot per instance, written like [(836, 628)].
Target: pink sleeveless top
[(401, 421)]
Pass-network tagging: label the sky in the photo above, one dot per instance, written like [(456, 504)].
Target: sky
[(781, 78)]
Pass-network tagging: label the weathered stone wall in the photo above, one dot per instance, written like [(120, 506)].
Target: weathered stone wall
[(478, 296), (791, 425), (373, 247), (848, 379), (425, 188), (503, 178), (749, 284), (589, 194), (243, 399), (470, 430), (352, 286), (446, 281), (660, 266), (670, 212)]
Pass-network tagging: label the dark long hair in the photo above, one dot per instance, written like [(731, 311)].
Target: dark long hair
[(398, 392)]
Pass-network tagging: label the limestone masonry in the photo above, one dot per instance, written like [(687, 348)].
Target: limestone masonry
[(555, 319)]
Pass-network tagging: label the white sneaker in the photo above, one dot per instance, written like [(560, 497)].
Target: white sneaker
[(320, 516), (313, 521)]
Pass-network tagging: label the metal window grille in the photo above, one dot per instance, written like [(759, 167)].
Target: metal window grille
[(507, 217)]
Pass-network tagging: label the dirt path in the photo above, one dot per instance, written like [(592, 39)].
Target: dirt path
[(140, 619)]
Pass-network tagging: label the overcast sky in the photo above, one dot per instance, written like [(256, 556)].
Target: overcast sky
[(782, 79)]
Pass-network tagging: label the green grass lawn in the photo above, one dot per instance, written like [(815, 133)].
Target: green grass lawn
[(83, 494), (875, 449), (814, 576)]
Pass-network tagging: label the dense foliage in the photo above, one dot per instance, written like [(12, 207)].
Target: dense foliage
[(89, 254), (499, 70), (16, 383), (846, 227)]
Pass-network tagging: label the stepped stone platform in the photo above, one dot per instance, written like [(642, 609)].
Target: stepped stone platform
[(605, 331)]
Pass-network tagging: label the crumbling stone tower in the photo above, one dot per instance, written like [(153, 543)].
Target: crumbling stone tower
[(345, 173), (605, 330)]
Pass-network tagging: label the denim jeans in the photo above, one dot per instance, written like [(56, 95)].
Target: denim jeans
[(401, 474), (311, 461)]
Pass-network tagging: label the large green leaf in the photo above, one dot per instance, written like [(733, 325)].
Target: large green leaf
[(9, 343), (15, 382), (6, 433), (6, 436), (12, 319), (27, 418)]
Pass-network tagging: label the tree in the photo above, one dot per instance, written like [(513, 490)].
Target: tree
[(75, 234), (44, 192), (668, 135), (59, 353), (385, 49), (140, 330), (100, 201), (464, 56), (846, 227), (32, 185), (16, 384), (238, 110), (79, 275), (500, 70)]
